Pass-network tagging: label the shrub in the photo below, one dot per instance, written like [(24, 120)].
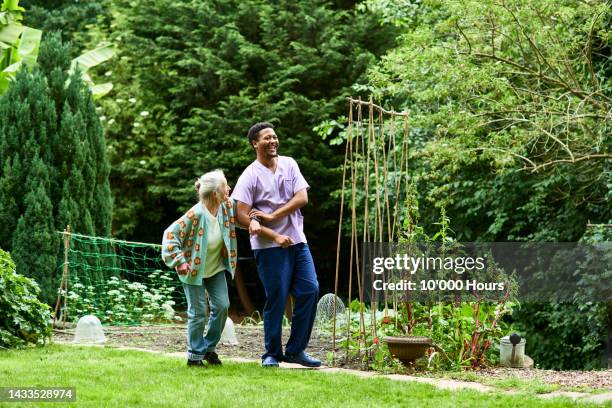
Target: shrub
[(23, 318)]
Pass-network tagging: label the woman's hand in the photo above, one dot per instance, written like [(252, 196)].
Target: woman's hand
[(262, 216), (183, 269), (254, 227)]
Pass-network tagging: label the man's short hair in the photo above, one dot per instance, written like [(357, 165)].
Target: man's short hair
[(256, 128)]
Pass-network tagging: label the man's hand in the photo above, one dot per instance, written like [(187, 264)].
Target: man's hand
[(183, 269), (262, 216), (283, 240), (254, 227), (299, 200)]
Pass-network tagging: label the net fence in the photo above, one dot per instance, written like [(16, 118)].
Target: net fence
[(120, 282)]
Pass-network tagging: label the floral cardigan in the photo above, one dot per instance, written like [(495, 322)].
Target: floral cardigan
[(186, 240)]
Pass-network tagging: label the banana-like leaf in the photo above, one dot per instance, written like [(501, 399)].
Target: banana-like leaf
[(29, 45), (87, 79), (11, 69), (10, 33), (99, 91), (19, 44), (93, 58), (4, 83), (11, 5)]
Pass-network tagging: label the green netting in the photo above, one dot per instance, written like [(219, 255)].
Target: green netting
[(120, 282)]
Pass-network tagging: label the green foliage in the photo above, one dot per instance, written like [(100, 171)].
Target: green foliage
[(35, 240), (69, 17), (465, 334), (565, 336), (63, 20), (597, 233), (508, 104), (509, 107), (190, 79), (48, 118), (23, 318), (27, 119), (18, 43)]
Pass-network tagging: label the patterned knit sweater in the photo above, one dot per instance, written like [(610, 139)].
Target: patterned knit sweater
[(186, 240)]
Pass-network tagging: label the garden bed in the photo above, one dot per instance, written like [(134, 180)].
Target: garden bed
[(170, 339)]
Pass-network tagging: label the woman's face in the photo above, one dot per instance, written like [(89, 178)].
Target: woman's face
[(225, 190)]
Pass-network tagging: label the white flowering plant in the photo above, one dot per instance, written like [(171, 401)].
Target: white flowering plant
[(121, 301)]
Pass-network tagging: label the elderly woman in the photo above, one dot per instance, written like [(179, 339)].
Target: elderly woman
[(201, 247)]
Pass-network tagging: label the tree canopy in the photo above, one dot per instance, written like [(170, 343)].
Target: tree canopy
[(510, 113), (193, 76)]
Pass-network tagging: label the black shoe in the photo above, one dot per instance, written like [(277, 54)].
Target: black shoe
[(302, 358), (212, 358), (195, 363)]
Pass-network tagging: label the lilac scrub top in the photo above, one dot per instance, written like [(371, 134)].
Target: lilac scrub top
[(267, 191)]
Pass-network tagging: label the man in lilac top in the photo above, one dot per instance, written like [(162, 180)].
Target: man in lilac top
[(269, 195)]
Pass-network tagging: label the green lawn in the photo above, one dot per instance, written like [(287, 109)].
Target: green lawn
[(109, 377)]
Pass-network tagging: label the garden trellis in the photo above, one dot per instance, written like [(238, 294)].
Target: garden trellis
[(120, 282), (376, 166)]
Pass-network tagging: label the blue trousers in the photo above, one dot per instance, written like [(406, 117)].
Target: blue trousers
[(198, 344), (285, 271)]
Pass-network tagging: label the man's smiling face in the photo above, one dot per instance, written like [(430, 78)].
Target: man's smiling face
[(266, 144)]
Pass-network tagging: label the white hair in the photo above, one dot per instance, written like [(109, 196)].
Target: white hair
[(209, 183)]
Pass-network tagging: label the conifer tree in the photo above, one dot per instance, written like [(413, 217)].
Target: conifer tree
[(35, 241), (27, 117), (54, 165)]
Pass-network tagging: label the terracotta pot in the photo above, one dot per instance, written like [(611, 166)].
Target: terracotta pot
[(409, 348)]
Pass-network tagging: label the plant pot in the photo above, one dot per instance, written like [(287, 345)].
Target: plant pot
[(408, 349)]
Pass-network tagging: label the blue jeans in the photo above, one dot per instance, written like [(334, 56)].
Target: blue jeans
[(216, 286), (283, 272)]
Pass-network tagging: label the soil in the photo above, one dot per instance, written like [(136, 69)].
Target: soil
[(172, 339)]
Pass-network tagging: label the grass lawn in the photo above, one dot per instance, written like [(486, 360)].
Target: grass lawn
[(106, 377)]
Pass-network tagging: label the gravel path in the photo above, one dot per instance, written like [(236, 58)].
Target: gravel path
[(588, 379)]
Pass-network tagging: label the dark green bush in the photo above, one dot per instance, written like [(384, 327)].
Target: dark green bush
[(23, 318), (564, 336), (569, 336)]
